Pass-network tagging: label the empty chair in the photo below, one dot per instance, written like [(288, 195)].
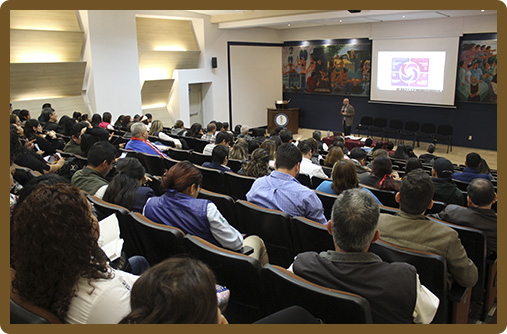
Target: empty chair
[(308, 235), (410, 132), (284, 288), (239, 273), (225, 205), (393, 131), (379, 124), (237, 185), (179, 155), (364, 124), (427, 132), (272, 226), (212, 179), (444, 134), (156, 242), (327, 202)]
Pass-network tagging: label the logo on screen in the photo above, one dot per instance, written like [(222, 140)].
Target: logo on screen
[(410, 72)]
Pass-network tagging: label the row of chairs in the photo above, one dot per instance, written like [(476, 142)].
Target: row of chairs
[(412, 130)]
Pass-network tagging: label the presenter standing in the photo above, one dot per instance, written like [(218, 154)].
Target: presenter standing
[(348, 117)]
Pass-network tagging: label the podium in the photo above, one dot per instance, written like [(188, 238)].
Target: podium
[(287, 117)]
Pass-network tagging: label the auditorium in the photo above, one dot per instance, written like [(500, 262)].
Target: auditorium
[(257, 166)]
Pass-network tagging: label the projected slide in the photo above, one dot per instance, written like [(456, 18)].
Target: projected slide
[(411, 71)]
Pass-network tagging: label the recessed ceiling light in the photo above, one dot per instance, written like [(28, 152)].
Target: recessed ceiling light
[(341, 21), (482, 10), (288, 25), (403, 16)]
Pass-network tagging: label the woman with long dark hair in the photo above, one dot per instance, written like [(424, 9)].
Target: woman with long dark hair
[(195, 131), (57, 260), (382, 176), (47, 143)]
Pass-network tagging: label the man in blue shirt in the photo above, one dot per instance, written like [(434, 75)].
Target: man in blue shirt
[(282, 191), (471, 171)]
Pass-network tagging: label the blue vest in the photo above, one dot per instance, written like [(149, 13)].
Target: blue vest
[(182, 211)]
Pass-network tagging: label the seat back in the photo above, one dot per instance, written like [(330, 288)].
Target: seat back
[(199, 158), (24, 174), (396, 124), (305, 180), (237, 186), (432, 270), (445, 130), (235, 165), (436, 208), (386, 197), (153, 163), (461, 184), (168, 162), (317, 180), (196, 144), (380, 122), (156, 242), (180, 155), (102, 209), (284, 288), (412, 126), (238, 272), (225, 205), (327, 202), (272, 226), (212, 179), (308, 235), (428, 128), (327, 170)]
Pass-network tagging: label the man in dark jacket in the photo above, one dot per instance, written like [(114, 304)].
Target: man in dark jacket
[(445, 190)]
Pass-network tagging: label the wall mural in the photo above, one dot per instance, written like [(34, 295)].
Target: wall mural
[(341, 69), (477, 69)]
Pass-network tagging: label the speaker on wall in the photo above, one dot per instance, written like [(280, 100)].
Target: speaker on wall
[(214, 62)]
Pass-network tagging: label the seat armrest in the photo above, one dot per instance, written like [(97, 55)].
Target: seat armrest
[(246, 250), (457, 293)]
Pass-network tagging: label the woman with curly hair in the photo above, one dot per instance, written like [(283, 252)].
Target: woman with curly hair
[(259, 164), (334, 155), (239, 150), (57, 260), (271, 146), (178, 290)]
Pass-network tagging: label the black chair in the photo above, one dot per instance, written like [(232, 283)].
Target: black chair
[(169, 162), (196, 144), (388, 209), (462, 185), (212, 179), (24, 174), (308, 235), (103, 209), (199, 158), (379, 124), (284, 289), (364, 124), (393, 131), (129, 154), (327, 170), (444, 134), (317, 180), (272, 226), (427, 132), (235, 165), (156, 242), (239, 273), (305, 180), (237, 186), (81, 161), (327, 202), (410, 132), (436, 208), (153, 163), (386, 197), (225, 205), (180, 155)]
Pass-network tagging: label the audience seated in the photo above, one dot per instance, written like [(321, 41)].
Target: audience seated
[(195, 131), (175, 291), (58, 263), (47, 143), (219, 158), (180, 207), (271, 145), (244, 133), (50, 119), (393, 289), (410, 228), (222, 138), (280, 190), (106, 121), (74, 144), (139, 141), (445, 190), (400, 153), (412, 163), (478, 214), (389, 147), (156, 130), (378, 145), (307, 166), (382, 176), (210, 134), (358, 158), (428, 156), (367, 145), (471, 171), (258, 166), (321, 145), (239, 150), (178, 128), (92, 177), (65, 125), (334, 155)]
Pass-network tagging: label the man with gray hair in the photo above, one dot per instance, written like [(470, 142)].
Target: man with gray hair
[(139, 141), (393, 290)]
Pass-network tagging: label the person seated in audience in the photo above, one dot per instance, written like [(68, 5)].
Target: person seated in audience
[(210, 134), (43, 110), (428, 156), (412, 163), (478, 214), (393, 290), (126, 187), (24, 115), (180, 207), (106, 121), (340, 142), (281, 191), (14, 119), (178, 128), (484, 169), (400, 153), (147, 120), (317, 135), (50, 120), (390, 147), (219, 158), (358, 158), (13, 197), (378, 145), (24, 154), (96, 130), (382, 175), (195, 131), (444, 189), (139, 141), (101, 157), (258, 166), (226, 128), (220, 126), (58, 263), (410, 228), (316, 157), (222, 138), (87, 141), (74, 144), (244, 133), (239, 150), (286, 137), (271, 146), (47, 143), (307, 166), (334, 155), (76, 115), (367, 145), (410, 151), (65, 125), (176, 291), (156, 130), (471, 171)]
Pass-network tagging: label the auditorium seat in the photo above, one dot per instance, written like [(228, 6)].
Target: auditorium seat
[(305, 180), (386, 197), (308, 235), (364, 124), (212, 179), (377, 129), (153, 163), (317, 180), (444, 134), (179, 155), (196, 144), (199, 158), (327, 202), (225, 205), (237, 186), (102, 209), (410, 132), (427, 132), (235, 165), (284, 288), (393, 131)]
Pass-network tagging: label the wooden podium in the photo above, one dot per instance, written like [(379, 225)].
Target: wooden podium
[(288, 118)]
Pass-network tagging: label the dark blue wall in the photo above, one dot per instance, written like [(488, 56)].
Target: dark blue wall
[(478, 120)]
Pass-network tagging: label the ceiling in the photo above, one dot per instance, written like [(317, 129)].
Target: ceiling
[(290, 19)]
